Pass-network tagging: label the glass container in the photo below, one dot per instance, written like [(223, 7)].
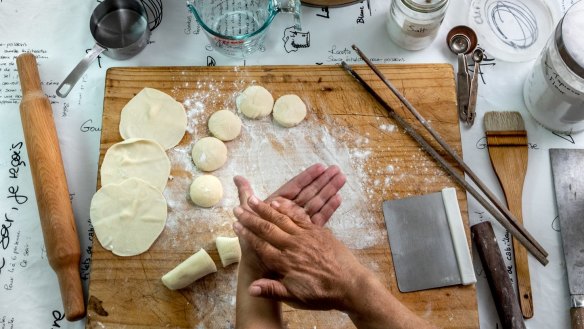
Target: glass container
[(554, 90), (414, 24)]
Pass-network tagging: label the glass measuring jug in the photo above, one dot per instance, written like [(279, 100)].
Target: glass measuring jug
[(237, 28)]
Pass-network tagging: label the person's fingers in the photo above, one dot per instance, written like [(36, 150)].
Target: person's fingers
[(293, 187), (290, 209), (323, 196), (267, 213), (264, 228), (267, 288), (244, 189), (311, 190), (266, 251), (325, 213)]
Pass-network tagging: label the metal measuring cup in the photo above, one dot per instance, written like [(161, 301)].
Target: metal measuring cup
[(237, 28), (120, 29)]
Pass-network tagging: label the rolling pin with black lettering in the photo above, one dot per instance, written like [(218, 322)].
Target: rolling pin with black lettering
[(50, 185), (502, 290)]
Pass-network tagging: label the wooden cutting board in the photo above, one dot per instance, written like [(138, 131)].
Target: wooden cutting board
[(344, 125)]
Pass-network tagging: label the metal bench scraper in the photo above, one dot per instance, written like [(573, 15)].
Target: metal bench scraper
[(428, 243)]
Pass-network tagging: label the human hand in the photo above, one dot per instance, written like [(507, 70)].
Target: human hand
[(315, 189), (314, 195), (315, 270)]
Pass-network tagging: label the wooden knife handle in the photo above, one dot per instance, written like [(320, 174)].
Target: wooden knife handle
[(577, 317), (501, 288), (50, 185)]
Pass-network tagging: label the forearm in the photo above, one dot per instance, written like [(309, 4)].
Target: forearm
[(372, 306), (254, 312)]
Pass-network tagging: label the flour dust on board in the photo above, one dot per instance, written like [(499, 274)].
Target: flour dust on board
[(267, 155)]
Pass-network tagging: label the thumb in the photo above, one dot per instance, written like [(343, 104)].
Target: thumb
[(268, 289), (244, 189)]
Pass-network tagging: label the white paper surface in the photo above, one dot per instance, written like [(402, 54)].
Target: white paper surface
[(57, 32)]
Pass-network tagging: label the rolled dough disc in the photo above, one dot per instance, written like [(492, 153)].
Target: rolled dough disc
[(255, 102), (136, 157), (289, 110), (128, 217), (152, 114)]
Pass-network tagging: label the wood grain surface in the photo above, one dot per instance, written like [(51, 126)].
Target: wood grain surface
[(509, 156), (344, 125), (50, 186)]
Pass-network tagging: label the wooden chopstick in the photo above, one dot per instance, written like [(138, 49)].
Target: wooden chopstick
[(500, 206), (523, 236)]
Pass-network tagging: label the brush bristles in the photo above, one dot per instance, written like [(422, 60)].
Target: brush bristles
[(503, 121)]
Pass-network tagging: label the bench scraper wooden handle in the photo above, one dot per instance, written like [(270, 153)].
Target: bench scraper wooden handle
[(50, 185)]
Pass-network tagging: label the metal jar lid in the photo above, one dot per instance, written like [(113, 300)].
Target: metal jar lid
[(425, 6), (569, 40)]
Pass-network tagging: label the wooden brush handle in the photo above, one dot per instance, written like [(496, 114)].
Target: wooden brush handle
[(50, 185), (501, 288), (508, 152), (577, 317)]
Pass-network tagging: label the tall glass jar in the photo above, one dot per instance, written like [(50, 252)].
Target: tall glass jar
[(554, 90), (414, 24)]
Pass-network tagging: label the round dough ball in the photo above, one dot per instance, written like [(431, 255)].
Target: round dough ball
[(135, 157), (209, 154), (128, 217), (152, 114), (289, 110), (255, 102), (225, 125), (206, 191)]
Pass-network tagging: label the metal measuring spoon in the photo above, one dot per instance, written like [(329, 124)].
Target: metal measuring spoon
[(462, 40), (459, 44), (477, 56)]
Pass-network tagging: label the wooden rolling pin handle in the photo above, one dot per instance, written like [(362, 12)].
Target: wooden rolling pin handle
[(50, 184), (577, 317), (501, 288)]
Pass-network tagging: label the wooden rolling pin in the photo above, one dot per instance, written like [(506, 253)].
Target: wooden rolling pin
[(50, 185), (502, 290)]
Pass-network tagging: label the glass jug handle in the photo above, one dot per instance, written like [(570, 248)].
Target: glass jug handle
[(289, 6)]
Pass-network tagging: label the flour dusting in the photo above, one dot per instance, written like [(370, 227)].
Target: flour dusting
[(267, 155)]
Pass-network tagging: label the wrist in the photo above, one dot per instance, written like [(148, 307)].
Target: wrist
[(251, 267), (360, 285), (371, 305)]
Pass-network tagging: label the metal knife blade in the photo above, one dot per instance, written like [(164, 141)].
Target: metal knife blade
[(569, 189)]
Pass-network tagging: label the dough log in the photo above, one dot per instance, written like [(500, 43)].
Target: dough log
[(229, 250), (189, 271)]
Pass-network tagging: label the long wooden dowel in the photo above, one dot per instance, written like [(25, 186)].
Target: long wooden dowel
[(490, 195), (449, 169)]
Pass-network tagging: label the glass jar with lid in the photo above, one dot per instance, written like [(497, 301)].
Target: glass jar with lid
[(554, 90), (414, 24)]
